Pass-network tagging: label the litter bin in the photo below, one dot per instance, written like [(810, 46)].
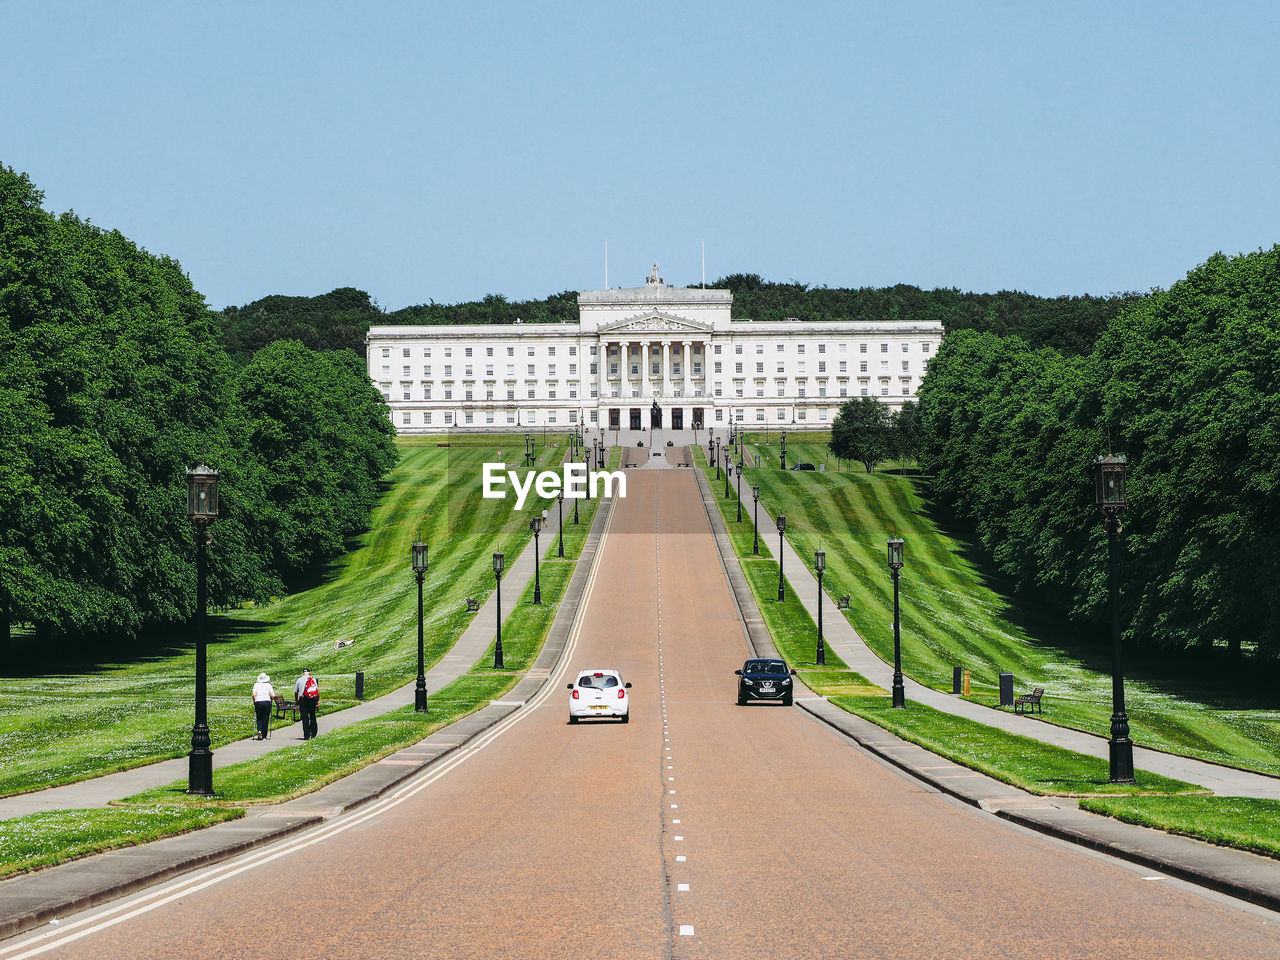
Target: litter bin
[(957, 679), (359, 684), (1006, 689), (966, 683)]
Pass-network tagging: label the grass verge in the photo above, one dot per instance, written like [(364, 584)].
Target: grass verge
[(45, 839), (1020, 761), (1247, 823)]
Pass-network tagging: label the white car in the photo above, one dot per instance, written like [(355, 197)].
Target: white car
[(599, 693)]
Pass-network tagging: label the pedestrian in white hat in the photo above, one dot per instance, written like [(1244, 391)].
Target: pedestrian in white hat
[(263, 691)]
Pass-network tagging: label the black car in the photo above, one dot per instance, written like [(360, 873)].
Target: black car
[(804, 466), (764, 680)]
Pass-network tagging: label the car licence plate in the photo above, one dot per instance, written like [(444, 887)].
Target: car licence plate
[(766, 685), (599, 706)]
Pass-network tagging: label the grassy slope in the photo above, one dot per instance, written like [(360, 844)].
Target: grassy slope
[(68, 724), (953, 613)]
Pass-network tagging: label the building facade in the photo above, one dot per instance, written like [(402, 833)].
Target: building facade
[(641, 357)]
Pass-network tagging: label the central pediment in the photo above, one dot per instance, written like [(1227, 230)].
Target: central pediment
[(656, 322)]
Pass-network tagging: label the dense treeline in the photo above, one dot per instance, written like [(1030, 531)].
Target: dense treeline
[(1070, 324), (114, 381), (342, 318), (1186, 383)]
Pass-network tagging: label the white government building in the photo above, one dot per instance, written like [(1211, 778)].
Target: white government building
[(641, 357)]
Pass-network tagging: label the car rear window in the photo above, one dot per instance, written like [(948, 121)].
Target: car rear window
[(591, 680)]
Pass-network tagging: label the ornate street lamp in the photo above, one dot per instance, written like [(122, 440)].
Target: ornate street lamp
[(782, 528), (499, 561), (784, 450), (560, 500), (728, 469), (895, 564), (755, 521), (717, 458), (1110, 495), (418, 555), (202, 510), (739, 485), (820, 565), (711, 447), (536, 526), (588, 482)]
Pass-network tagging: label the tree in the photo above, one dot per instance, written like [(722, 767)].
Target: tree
[(860, 431), (906, 432)]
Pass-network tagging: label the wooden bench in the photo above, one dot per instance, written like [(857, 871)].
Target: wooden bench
[(284, 706), (472, 605), (1027, 701), (843, 602)]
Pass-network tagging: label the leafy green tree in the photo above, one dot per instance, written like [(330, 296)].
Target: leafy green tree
[(861, 431), (905, 430)]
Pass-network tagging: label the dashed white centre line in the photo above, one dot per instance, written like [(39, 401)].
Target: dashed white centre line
[(682, 888)]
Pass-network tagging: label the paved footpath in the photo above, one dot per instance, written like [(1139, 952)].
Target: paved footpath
[(461, 657), (842, 638)]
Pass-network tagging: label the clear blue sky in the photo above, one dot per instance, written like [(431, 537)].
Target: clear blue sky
[(447, 150)]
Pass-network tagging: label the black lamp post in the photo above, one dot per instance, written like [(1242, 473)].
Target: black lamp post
[(782, 528), (588, 482), (499, 561), (784, 450), (536, 526), (711, 448), (728, 468), (1109, 478), (600, 455), (739, 486), (895, 564), (202, 509), (820, 565), (755, 521), (418, 553), (560, 500), (717, 458)]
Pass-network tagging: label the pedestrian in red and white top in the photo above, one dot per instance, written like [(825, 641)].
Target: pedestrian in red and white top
[(306, 691), (263, 691)]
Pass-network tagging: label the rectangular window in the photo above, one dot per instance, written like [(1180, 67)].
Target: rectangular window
[(906, 348), (468, 371), (573, 416), (595, 369), (595, 414), (573, 369), (386, 371), (864, 391), (511, 369), (573, 393), (426, 351), (759, 389), (448, 370), (716, 349), (800, 369), (906, 366), (884, 366), (737, 349), (488, 416), (468, 351), (551, 351), (822, 348), (551, 369), (799, 347), (533, 416), (844, 366), (406, 371), (426, 370), (488, 394), (782, 390), (488, 370), (760, 368), (760, 348), (801, 393), (802, 414), (531, 369), (406, 394), (426, 393), (404, 418), (531, 351), (448, 393), (737, 367), (862, 366), (426, 417), (488, 351), (697, 368), (862, 348), (405, 352), (719, 414), (468, 396), (551, 417), (511, 393), (532, 392), (511, 351), (884, 348), (448, 418), (573, 352), (469, 417), (717, 367), (386, 351), (924, 348), (511, 417), (759, 414)]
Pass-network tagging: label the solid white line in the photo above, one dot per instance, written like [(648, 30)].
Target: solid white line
[(184, 886)]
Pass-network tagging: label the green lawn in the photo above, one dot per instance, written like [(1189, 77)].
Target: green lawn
[(956, 612), (1245, 822), (44, 839), (61, 722)]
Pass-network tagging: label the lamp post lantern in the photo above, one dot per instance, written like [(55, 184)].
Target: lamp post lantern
[(1109, 480), (536, 526), (560, 500), (895, 564), (820, 565), (499, 561), (755, 520), (782, 528), (202, 510), (418, 555)]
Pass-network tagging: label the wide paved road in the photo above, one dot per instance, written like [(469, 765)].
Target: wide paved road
[(700, 829)]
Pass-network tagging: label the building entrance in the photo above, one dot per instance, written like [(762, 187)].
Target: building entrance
[(635, 419), (615, 418), (677, 418), (697, 418)]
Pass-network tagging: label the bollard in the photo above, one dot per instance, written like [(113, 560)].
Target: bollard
[(1006, 689), (359, 684), (966, 683), (957, 679)]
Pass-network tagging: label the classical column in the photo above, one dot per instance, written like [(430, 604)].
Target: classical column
[(644, 368), (686, 360), (666, 368), (602, 371)]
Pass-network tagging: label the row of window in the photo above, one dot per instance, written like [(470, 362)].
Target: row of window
[(654, 369), (405, 352)]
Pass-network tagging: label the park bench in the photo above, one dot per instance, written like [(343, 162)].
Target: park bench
[(472, 605), (1027, 701), (843, 602), (284, 706)]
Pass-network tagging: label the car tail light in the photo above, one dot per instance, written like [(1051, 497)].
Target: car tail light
[(575, 694), (622, 694)]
